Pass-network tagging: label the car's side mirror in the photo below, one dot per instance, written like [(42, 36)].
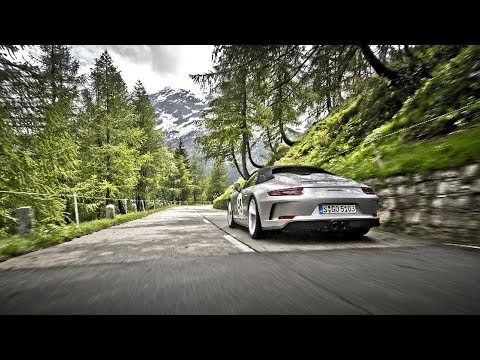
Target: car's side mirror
[(237, 187)]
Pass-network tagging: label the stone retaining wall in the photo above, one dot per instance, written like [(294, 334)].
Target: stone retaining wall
[(444, 204)]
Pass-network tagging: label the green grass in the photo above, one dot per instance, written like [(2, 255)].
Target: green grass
[(222, 201), (52, 235), (421, 157), (447, 141)]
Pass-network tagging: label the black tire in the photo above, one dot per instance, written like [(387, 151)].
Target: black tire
[(231, 223), (357, 233), (258, 232)]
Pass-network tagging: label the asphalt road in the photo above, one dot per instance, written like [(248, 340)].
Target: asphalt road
[(186, 260)]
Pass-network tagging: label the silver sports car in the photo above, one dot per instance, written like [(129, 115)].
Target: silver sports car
[(302, 198)]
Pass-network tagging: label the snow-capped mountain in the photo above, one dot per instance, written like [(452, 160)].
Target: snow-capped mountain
[(176, 110)]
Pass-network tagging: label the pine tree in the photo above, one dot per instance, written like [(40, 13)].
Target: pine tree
[(218, 180), (183, 182), (57, 158), (17, 120), (245, 78), (181, 151), (37, 112), (265, 89), (199, 179), (110, 138), (183, 179), (150, 146), (226, 122)]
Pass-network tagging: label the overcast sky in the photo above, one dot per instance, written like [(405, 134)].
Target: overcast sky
[(157, 66)]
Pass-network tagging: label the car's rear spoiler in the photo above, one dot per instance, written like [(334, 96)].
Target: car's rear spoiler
[(267, 173)]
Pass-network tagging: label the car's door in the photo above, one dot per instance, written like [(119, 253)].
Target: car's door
[(242, 199)]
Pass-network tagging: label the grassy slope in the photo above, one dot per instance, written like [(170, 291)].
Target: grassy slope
[(53, 235), (447, 142)]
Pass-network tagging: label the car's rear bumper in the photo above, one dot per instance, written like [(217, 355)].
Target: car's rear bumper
[(321, 222), (324, 225)]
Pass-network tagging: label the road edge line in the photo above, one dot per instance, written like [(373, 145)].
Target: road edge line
[(460, 245), (218, 227), (237, 243)]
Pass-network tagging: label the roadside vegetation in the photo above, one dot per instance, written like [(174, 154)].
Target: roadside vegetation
[(417, 111), (48, 235), (452, 139), (64, 133)]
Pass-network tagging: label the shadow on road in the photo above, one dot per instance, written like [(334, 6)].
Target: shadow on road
[(280, 237)]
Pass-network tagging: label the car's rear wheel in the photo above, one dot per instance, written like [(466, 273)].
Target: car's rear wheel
[(254, 226), (230, 219)]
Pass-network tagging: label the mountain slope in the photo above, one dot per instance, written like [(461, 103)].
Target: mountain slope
[(436, 127), (176, 110)]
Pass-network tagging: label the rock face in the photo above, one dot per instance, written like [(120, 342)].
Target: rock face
[(26, 220), (443, 204)]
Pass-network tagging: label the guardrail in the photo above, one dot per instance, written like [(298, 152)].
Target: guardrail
[(133, 202)]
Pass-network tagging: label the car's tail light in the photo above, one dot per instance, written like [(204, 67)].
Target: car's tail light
[(286, 217), (368, 190), (285, 192)]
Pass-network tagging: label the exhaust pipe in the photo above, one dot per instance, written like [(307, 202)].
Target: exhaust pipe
[(334, 225), (344, 225)]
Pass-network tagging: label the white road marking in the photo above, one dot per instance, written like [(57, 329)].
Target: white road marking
[(206, 221), (467, 246), (237, 243)]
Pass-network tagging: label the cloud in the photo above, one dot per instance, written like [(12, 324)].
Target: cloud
[(163, 59), (157, 66)]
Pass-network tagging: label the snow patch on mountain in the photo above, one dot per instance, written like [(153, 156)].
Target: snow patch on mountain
[(176, 111)]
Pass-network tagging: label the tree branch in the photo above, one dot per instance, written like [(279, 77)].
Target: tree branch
[(346, 61), (377, 65), (277, 58), (315, 48), (270, 141), (232, 154), (250, 156)]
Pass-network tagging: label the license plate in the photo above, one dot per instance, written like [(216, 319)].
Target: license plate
[(337, 209)]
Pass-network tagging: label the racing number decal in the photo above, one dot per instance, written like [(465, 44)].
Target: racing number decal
[(240, 205)]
